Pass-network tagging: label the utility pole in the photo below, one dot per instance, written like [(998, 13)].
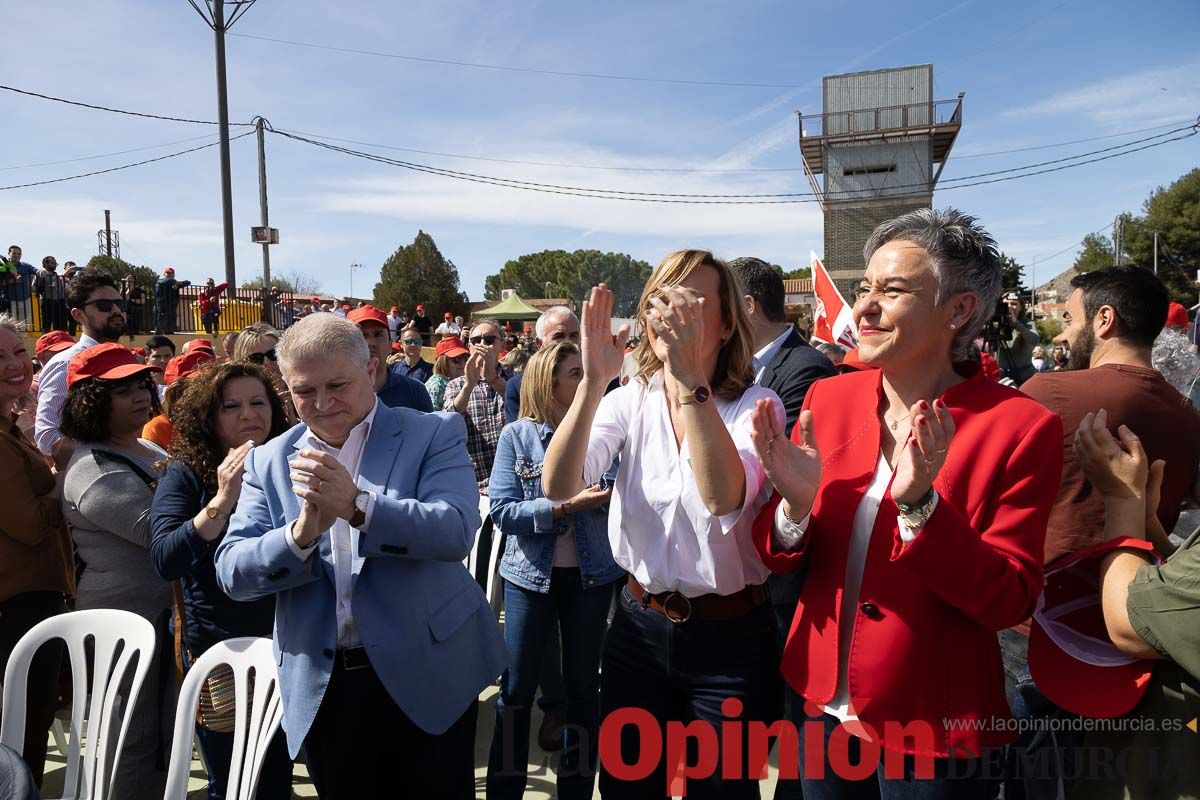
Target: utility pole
[(353, 267), (213, 14), (262, 200), (1033, 290), (1156, 252)]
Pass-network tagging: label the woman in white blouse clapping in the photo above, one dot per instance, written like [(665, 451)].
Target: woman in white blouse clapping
[(694, 625)]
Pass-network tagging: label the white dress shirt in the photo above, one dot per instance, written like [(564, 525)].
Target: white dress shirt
[(789, 534), (52, 395), (764, 356), (658, 526), (343, 540)]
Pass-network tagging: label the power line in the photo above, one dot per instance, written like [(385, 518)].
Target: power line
[(1073, 141), (532, 70), (112, 110), (123, 166), (699, 199), (1077, 244), (106, 155)]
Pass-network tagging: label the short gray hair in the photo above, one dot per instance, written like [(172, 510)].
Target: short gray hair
[(554, 312), (964, 259), (322, 336)]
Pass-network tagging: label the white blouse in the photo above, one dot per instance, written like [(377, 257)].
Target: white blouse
[(658, 526)]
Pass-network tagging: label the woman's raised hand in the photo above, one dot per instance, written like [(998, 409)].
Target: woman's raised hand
[(794, 470), (229, 474), (676, 315), (924, 453), (602, 357)]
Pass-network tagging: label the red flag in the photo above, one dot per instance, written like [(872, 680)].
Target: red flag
[(832, 320)]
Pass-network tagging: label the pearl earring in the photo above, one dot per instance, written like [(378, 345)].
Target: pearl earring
[(952, 326)]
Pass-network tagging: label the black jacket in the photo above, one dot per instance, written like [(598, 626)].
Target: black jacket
[(795, 367)]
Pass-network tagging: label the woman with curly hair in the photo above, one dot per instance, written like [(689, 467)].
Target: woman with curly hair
[(107, 492), (223, 413)]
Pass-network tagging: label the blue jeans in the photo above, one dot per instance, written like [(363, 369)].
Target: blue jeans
[(529, 618), (953, 779), (683, 673), (1039, 763)]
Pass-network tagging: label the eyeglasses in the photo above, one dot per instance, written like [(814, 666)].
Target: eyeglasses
[(458, 360), (488, 340), (411, 341), (259, 358), (106, 306)]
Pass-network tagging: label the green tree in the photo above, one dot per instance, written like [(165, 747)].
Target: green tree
[(1012, 276), (1048, 328), (1174, 212), (119, 268), (796, 274), (292, 282), (557, 273), (1097, 253), (419, 273)]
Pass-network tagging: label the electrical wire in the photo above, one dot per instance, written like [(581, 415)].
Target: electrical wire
[(532, 70), (114, 110), (123, 166), (1073, 141), (1077, 244), (699, 199), (106, 155)]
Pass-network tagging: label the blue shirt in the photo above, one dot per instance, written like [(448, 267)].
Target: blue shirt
[(421, 371), (521, 511), (403, 392), (21, 276)]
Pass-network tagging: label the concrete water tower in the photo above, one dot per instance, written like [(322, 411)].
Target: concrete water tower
[(880, 147)]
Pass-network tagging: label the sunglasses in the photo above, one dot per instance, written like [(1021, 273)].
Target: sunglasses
[(488, 340), (105, 306), (259, 358), (411, 341)]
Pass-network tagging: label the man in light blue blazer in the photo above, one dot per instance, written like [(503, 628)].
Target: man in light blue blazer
[(358, 522)]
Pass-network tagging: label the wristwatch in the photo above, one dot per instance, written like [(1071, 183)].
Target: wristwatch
[(359, 517), (215, 513), (695, 397)]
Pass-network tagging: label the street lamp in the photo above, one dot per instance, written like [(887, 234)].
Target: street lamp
[(353, 267)]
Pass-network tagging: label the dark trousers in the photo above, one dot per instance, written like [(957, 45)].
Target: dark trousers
[(529, 617), (54, 315), (17, 616), (683, 673), (164, 318), (210, 322), (362, 745), (952, 779)]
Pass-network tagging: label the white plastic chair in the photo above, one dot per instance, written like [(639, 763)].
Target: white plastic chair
[(254, 726), (117, 637)]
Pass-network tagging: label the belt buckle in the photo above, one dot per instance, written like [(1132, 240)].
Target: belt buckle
[(687, 604)]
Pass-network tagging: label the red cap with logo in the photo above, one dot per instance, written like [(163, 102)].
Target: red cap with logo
[(368, 314), (52, 342), (109, 361), (450, 347), (1071, 658), (184, 365)]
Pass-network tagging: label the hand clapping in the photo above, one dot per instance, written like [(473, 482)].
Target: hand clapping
[(602, 357), (326, 488), (924, 453), (794, 470), (676, 315)]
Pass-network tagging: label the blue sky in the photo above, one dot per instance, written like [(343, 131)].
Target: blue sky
[(1034, 73)]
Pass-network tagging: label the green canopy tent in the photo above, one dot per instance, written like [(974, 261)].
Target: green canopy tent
[(510, 308)]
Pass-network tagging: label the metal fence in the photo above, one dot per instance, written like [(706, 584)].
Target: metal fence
[(170, 312)]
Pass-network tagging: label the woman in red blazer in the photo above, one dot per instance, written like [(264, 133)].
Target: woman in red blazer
[(918, 495)]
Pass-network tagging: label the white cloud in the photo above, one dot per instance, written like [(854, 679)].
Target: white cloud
[(1150, 97)]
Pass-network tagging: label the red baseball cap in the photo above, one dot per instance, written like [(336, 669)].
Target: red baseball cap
[(316, 299), (368, 314), (450, 347), (394, 308), (397, 347), (198, 344), (184, 365), (1071, 658), (448, 315), (140, 352), (52, 342), (170, 270), (109, 361), (420, 308)]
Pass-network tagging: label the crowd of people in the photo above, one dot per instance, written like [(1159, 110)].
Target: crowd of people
[(943, 551)]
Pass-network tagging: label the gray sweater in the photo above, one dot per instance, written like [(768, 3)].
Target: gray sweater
[(107, 506)]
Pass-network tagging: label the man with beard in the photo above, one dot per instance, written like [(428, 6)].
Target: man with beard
[(1113, 317), (96, 304)]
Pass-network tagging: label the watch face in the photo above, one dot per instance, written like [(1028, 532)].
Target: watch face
[(701, 394)]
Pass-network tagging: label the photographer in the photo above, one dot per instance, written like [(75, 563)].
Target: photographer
[(1017, 340)]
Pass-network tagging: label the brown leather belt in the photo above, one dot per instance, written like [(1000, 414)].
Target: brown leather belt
[(679, 609)]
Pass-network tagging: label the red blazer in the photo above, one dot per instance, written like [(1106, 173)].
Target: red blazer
[(925, 646)]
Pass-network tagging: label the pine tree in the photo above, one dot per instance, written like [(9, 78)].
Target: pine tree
[(418, 274)]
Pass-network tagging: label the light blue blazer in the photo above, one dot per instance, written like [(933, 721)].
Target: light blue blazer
[(428, 632)]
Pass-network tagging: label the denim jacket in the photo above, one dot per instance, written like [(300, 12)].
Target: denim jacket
[(521, 511)]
